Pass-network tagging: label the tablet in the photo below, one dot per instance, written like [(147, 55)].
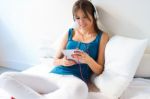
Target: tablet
[(69, 52)]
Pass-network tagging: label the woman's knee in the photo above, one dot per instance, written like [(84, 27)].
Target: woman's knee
[(6, 75), (5, 79), (78, 89), (80, 84)]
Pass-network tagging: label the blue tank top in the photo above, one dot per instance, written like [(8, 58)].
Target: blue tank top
[(90, 48)]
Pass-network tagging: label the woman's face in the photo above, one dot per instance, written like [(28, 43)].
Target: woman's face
[(83, 21)]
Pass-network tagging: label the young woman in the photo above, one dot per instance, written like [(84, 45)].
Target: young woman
[(68, 80)]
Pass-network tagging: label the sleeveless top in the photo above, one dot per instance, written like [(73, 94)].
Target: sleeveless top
[(81, 70)]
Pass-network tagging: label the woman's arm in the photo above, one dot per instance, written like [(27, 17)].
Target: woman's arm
[(59, 59), (59, 55), (97, 67), (62, 46)]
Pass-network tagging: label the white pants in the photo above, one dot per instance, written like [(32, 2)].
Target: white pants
[(51, 86)]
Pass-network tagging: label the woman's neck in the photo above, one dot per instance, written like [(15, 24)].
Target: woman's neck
[(87, 32)]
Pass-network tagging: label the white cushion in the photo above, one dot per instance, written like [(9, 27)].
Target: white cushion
[(139, 88), (122, 56), (49, 50), (144, 67)]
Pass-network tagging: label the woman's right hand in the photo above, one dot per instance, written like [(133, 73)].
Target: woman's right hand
[(67, 62)]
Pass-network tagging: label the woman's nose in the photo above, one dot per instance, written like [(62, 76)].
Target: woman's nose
[(82, 21)]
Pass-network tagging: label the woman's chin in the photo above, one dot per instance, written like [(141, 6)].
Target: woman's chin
[(84, 28)]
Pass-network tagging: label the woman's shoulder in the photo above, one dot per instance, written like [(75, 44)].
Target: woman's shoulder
[(69, 32), (104, 37)]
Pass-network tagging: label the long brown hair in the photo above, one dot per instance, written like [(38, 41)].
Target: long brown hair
[(87, 7)]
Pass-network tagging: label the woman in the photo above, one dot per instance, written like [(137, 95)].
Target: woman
[(68, 80)]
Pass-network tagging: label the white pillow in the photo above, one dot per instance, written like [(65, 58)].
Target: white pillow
[(122, 56), (144, 67), (49, 49)]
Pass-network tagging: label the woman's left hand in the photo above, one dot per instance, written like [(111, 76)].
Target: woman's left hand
[(81, 56)]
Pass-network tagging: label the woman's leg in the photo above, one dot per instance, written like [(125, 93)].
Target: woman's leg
[(70, 87), (24, 86)]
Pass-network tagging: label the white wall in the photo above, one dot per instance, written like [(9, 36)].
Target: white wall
[(27, 25), (125, 17)]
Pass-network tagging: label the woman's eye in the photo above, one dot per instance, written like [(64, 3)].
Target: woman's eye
[(77, 18)]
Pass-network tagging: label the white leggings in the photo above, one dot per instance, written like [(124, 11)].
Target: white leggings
[(50, 86)]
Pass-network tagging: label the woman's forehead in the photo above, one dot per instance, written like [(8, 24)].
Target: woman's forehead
[(80, 12)]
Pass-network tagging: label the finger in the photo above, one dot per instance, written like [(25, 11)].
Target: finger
[(77, 52), (65, 57), (78, 57), (72, 62), (69, 64)]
